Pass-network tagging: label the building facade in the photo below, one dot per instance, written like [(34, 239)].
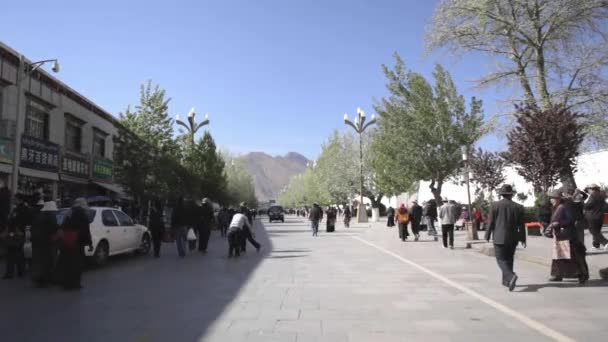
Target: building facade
[(66, 140)]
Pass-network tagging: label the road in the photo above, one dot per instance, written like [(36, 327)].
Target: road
[(357, 284)]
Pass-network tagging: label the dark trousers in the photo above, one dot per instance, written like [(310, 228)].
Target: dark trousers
[(234, 243), (477, 225), (223, 229), (157, 239), (70, 265), (504, 259), (415, 227), (447, 230), (43, 262), (247, 236), (203, 238), (403, 231), (595, 228), (14, 260)]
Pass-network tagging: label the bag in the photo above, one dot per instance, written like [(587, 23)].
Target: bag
[(67, 238), (561, 249), (191, 235)]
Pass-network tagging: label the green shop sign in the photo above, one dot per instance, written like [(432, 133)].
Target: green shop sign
[(6, 150), (103, 169)]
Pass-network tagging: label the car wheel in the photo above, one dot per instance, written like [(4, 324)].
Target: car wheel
[(101, 254), (144, 248)]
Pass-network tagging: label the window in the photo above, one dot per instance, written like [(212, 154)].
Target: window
[(123, 218), (62, 214), (108, 219), (1, 100), (37, 121), (99, 143), (73, 133)]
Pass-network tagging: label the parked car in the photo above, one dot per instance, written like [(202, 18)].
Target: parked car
[(275, 213), (113, 232)]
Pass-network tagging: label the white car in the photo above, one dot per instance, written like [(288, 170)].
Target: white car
[(113, 232)]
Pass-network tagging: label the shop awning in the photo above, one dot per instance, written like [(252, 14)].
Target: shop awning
[(73, 179), (115, 188), (38, 174)]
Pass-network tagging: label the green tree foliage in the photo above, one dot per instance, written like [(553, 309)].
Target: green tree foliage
[(421, 130), (239, 183), (304, 190), (207, 165), (542, 155)]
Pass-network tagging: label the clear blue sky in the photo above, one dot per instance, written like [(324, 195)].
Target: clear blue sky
[(274, 76)]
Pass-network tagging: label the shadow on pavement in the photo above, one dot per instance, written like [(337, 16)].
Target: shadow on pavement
[(561, 285), (141, 299)]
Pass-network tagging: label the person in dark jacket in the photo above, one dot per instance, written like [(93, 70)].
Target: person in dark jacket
[(75, 235), (332, 215), (594, 212), (390, 217), (507, 226), (415, 218), (567, 262), (5, 206), (223, 221), (544, 212), (14, 238), (205, 220), (44, 252), (347, 216), (430, 214), (315, 216), (157, 227), (179, 224)]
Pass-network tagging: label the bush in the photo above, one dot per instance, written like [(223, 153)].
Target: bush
[(530, 214)]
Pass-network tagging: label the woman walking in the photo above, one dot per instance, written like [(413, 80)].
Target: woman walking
[(44, 253), (332, 215), (390, 217), (347, 216), (568, 251), (157, 227), (73, 236), (402, 217)]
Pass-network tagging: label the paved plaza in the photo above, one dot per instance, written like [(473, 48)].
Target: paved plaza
[(357, 284)]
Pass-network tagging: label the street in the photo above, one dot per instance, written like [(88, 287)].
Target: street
[(357, 284)]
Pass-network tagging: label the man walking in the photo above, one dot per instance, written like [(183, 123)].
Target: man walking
[(594, 213), (205, 220), (416, 217), (179, 222), (316, 215), (507, 224), (448, 214), (430, 214)]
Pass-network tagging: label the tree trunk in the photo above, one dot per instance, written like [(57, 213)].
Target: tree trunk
[(541, 79), (436, 190), (567, 178)]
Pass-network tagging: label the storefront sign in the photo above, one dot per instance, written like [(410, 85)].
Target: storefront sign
[(103, 169), (75, 165), (39, 154), (6, 150)]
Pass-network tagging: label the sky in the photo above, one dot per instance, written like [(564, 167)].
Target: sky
[(273, 75)]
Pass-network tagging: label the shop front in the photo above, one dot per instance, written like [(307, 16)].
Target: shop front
[(75, 173), (39, 167), (6, 160)]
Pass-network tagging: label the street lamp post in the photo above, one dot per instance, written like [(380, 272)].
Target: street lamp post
[(24, 70), (360, 126), (472, 234), (192, 127)]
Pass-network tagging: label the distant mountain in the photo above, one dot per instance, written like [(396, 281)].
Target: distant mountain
[(272, 174)]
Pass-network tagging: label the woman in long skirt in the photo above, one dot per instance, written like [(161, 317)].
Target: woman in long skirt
[(390, 217), (75, 235), (568, 251)]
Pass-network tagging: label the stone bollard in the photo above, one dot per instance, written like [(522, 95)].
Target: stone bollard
[(604, 273)]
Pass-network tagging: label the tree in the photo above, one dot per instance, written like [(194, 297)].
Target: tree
[(207, 165), (542, 155), (239, 183), (553, 49), (487, 169), (421, 130)]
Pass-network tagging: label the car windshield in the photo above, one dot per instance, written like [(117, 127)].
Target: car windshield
[(275, 210), (63, 213)]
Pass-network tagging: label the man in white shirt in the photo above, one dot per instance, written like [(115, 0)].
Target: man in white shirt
[(239, 222)]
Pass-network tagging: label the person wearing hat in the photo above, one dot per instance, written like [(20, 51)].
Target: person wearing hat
[(568, 259), (506, 224), (43, 229), (416, 217), (204, 220), (594, 213)]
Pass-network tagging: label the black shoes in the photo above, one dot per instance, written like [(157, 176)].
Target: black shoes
[(555, 278), (512, 283)]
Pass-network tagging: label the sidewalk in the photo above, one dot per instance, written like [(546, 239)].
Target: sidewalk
[(538, 248)]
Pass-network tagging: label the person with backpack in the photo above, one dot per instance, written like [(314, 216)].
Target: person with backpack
[(402, 218)]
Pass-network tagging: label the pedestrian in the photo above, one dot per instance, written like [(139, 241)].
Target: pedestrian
[(463, 218), (448, 214), (595, 207), (430, 214), (477, 219), (390, 217), (222, 218), (235, 234), (157, 226), (179, 223), (315, 216), (205, 220), (332, 215), (5, 206), (72, 237), (416, 217), (402, 217), (246, 231), (347, 216), (568, 259), (506, 224), (44, 253), (14, 238)]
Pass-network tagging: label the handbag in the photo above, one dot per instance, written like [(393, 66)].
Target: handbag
[(561, 249), (67, 238), (191, 235)]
